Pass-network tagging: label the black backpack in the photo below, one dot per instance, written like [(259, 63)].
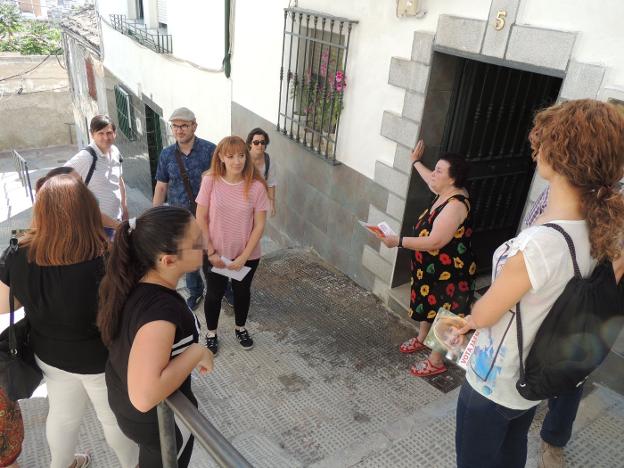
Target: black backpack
[(576, 335)]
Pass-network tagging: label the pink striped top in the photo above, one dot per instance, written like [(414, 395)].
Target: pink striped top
[(231, 215)]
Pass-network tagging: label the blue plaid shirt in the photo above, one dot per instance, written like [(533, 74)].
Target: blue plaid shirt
[(196, 163)]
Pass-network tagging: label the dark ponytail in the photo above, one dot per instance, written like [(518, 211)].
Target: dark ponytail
[(134, 252)]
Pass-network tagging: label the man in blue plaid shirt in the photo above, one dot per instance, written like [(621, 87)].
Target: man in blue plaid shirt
[(195, 155)]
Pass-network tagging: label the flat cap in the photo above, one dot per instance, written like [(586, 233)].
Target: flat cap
[(182, 113)]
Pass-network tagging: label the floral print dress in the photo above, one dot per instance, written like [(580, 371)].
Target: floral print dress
[(444, 277)]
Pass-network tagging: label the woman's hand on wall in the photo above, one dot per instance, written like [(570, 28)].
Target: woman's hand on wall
[(418, 151)]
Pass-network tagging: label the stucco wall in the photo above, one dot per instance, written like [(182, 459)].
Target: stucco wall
[(170, 83), (379, 36), (34, 107)]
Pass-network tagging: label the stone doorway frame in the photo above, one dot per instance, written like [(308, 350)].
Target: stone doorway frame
[(525, 47)]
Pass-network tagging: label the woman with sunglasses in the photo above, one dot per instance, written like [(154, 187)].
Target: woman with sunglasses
[(257, 142), (231, 210)]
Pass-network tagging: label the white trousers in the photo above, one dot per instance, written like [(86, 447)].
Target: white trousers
[(67, 395)]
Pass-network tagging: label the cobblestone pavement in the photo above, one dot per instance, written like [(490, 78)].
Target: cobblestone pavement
[(325, 386)]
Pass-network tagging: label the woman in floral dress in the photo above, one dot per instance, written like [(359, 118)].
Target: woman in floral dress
[(443, 266)]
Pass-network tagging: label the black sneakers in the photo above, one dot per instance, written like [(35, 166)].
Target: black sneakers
[(244, 339), (212, 343)]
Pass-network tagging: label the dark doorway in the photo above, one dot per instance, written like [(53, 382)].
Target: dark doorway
[(139, 10), (490, 115), (154, 140)]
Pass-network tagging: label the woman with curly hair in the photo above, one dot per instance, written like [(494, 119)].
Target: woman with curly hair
[(579, 149)]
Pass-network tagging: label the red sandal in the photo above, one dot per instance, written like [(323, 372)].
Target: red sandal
[(411, 346), (426, 369)]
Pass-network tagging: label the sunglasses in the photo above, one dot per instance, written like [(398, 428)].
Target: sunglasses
[(259, 142)]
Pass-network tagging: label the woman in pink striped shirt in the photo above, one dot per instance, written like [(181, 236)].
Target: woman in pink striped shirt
[(231, 211)]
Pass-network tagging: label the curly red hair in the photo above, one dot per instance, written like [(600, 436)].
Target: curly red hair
[(583, 140)]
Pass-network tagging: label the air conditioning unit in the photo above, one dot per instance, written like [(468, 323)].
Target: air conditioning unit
[(413, 8)]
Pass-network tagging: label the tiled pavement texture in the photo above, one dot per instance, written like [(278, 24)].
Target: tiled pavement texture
[(325, 386)]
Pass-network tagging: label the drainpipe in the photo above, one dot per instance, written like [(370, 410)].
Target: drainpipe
[(226, 59)]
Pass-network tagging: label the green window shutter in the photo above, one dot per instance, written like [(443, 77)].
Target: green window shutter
[(125, 116)]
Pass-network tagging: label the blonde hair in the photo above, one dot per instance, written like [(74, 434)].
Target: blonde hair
[(234, 145)]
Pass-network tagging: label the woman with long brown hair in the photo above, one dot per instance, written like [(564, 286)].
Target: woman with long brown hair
[(231, 210), (55, 275), (579, 150)]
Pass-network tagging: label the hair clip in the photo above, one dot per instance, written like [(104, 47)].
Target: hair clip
[(132, 225)]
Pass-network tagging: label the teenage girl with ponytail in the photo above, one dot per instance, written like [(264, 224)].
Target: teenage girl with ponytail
[(579, 149), (150, 331)]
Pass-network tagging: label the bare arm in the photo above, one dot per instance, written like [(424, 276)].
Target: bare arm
[(109, 222), (506, 291), (160, 193), (618, 268), (4, 299), (124, 201), (152, 375), (201, 214), (271, 193), (444, 228), (254, 238)]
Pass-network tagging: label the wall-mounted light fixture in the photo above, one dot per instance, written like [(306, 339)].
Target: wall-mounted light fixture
[(412, 8)]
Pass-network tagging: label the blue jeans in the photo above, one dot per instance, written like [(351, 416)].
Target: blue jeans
[(195, 283), (557, 426), (488, 435)]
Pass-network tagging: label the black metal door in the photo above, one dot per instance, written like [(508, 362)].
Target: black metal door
[(154, 140), (491, 113)]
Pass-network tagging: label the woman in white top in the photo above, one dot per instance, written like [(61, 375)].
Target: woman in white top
[(579, 150)]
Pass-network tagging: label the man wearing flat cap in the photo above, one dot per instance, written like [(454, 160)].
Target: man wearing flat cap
[(178, 178)]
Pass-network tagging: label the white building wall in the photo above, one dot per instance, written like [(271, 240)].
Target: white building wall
[(600, 37), (171, 83), (198, 30), (378, 37)]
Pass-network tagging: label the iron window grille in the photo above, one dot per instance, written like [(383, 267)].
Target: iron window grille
[(125, 114), (153, 39), (315, 48)]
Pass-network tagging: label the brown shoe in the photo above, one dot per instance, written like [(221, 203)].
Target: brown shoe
[(550, 456)]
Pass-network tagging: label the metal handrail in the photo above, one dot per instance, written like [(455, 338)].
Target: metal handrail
[(21, 167), (161, 43), (217, 446)]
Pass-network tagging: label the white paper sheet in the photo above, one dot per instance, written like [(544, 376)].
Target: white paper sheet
[(237, 275), (381, 229)]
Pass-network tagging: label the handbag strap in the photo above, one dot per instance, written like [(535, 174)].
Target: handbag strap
[(13, 245), (185, 179)]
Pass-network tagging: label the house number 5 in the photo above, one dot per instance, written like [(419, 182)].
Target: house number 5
[(500, 20)]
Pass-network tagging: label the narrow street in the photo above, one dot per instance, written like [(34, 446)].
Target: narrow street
[(325, 385)]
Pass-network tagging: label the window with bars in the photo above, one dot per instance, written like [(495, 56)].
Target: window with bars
[(92, 90), (125, 115), (312, 79)]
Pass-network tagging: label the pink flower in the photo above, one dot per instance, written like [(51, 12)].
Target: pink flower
[(340, 81), (324, 62)]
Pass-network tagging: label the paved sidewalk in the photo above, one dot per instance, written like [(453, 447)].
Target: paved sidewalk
[(325, 386)]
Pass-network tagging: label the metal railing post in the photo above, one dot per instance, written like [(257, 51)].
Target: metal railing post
[(166, 430)]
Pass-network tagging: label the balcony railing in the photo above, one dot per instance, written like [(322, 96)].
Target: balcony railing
[(160, 43)]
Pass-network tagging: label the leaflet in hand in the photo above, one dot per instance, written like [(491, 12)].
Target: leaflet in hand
[(234, 274), (382, 229), (443, 337)]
